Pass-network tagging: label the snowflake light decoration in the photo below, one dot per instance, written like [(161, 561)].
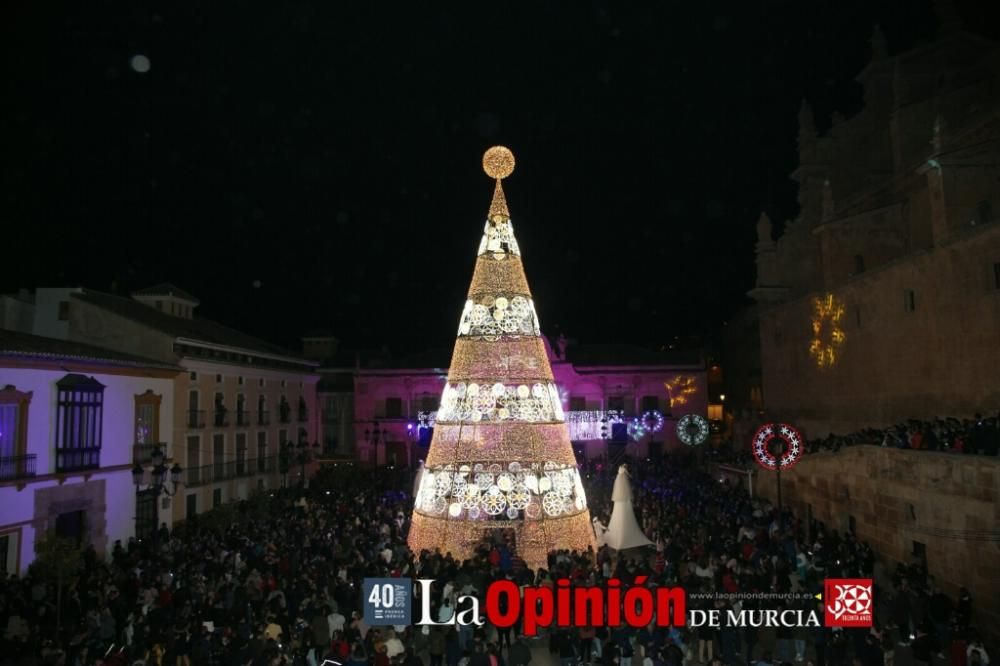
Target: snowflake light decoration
[(692, 429), (786, 436)]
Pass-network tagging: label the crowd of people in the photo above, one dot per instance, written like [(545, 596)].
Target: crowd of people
[(977, 435), (278, 581)]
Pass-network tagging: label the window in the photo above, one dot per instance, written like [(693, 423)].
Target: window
[(393, 408), (4, 554), (239, 380), (851, 524), (241, 453), (218, 379), (192, 471), (283, 383), (577, 403), (857, 315), (63, 310), (262, 450), (428, 403), (260, 383), (193, 376), (192, 506), (909, 300), (219, 457), (911, 511), (79, 418), (859, 264), (996, 275), (159, 305), (13, 434), (617, 403), (147, 418), (920, 552), (282, 437), (217, 497), (649, 403)]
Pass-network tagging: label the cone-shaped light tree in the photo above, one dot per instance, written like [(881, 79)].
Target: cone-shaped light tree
[(500, 457)]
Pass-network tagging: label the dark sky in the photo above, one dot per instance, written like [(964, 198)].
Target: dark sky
[(329, 152)]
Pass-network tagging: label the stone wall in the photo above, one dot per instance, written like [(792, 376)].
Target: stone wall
[(899, 499)]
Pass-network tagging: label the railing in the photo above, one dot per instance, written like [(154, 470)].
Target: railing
[(196, 418), (220, 419), (143, 453), (17, 467), (230, 469), (263, 417), (72, 460), (242, 418)]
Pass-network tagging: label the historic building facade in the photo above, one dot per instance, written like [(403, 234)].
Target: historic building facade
[(881, 301), (74, 419), (395, 401), (243, 412)]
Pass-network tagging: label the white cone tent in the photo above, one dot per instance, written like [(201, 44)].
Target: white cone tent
[(623, 529)]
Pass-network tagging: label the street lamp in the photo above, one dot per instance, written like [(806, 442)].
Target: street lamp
[(158, 483), (374, 436)]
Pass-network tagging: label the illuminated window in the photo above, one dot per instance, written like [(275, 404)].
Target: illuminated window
[(14, 435), (147, 418), (909, 300)]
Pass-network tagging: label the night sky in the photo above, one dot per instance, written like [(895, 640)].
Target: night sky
[(316, 165)]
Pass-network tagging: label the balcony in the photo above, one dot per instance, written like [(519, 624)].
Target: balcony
[(220, 418), (196, 418), (264, 417), (75, 460), (242, 418), (17, 467), (228, 470)]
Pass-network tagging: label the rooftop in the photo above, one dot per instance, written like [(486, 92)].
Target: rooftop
[(166, 289), (15, 345), (199, 329)]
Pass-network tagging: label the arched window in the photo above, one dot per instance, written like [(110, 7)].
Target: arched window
[(79, 420)]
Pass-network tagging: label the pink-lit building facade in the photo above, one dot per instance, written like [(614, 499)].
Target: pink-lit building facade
[(392, 402)]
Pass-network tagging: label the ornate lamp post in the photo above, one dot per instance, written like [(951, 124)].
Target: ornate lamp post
[(159, 483), (376, 435)]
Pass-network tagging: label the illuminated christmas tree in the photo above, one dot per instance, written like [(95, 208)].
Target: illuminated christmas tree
[(500, 457)]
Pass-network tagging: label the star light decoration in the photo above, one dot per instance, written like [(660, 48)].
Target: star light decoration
[(679, 388), (827, 335), (500, 456)]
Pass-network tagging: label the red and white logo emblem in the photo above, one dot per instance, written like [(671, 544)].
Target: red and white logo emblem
[(847, 602)]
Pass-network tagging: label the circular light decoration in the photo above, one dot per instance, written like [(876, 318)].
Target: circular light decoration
[(692, 429), (827, 335), (553, 504), (777, 445), (652, 421), (498, 162), (635, 429), (494, 501), (512, 513), (519, 497)]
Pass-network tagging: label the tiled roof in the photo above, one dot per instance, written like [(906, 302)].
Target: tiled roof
[(202, 330), (166, 289), (26, 346)]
